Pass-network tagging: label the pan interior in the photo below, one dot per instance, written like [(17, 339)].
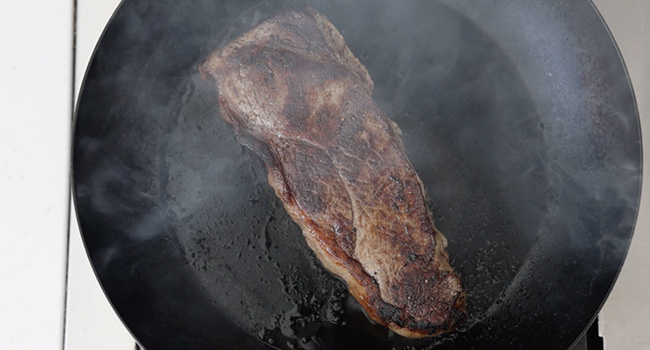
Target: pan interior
[(194, 249)]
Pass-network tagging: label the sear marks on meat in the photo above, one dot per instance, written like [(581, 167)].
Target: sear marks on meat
[(299, 98)]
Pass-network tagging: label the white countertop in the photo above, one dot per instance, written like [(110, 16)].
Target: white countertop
[(34, 150), (36, 92)]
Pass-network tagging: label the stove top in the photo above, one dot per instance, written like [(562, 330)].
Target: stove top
[(591, 340)]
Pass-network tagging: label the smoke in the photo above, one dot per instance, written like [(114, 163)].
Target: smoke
[(523, 130)]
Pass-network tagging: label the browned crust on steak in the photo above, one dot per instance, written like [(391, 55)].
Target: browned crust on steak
[(299, 98)]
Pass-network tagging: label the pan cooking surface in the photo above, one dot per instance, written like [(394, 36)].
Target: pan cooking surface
[(520, 122)]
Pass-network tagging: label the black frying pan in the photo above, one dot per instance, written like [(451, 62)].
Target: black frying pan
[(518, 116)]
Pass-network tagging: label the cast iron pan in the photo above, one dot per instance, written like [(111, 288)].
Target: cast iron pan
[(518, 116)]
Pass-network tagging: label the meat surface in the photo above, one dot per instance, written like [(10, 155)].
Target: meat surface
[(299, 98)]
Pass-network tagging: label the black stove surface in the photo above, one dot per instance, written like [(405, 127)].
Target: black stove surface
[(591, 340)]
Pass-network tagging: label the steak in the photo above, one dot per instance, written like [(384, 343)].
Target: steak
[(299, 98)]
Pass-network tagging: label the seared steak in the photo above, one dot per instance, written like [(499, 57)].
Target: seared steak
[(299, 98)]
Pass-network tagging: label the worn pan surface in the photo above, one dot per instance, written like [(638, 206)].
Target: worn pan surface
[(518, 116)]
